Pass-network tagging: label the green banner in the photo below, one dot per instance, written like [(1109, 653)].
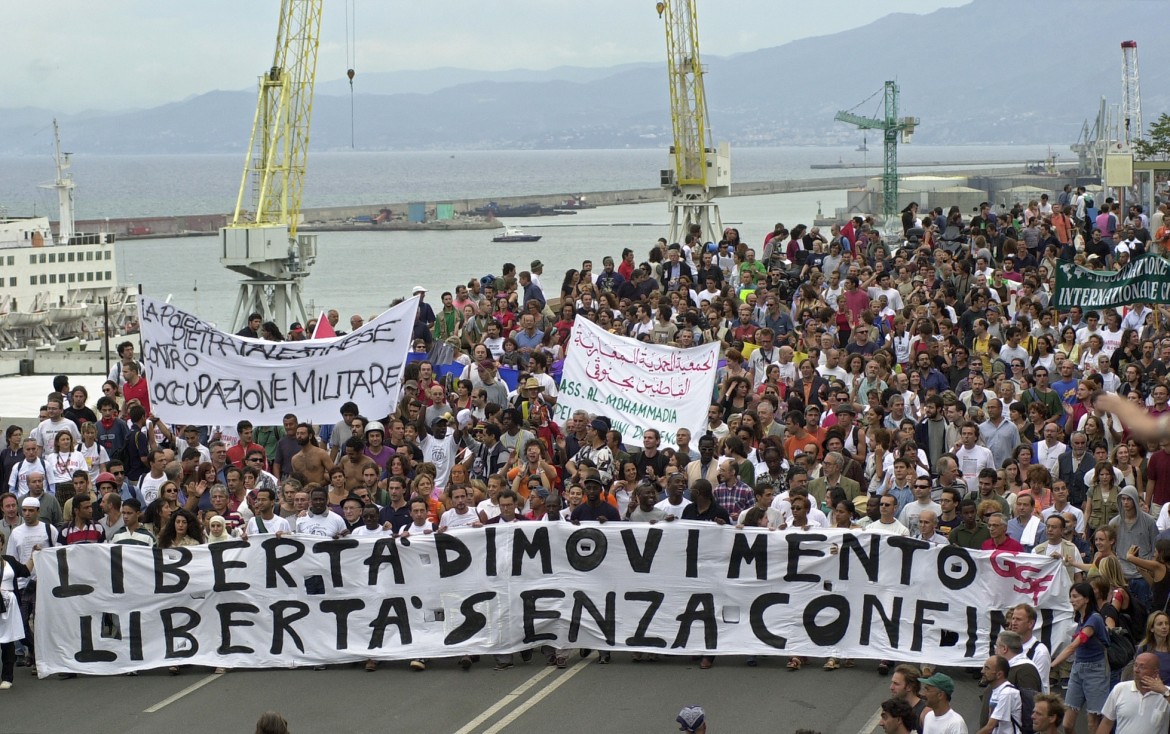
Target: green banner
[(1145, 280)]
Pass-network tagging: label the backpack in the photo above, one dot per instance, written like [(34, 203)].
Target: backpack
[(1027, 705), (1134, 618), (1120, 650)]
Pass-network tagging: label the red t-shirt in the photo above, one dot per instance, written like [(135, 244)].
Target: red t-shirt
[(236, 454), (1158, 471), (139, 392), (1009, 544)]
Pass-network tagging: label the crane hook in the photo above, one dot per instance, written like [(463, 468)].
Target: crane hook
[(660, 7)]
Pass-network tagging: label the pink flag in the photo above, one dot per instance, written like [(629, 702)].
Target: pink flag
[(324, 329)]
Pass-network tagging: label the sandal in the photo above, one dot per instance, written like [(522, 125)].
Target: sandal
[(794, 663), (832, 664), (849, 663)]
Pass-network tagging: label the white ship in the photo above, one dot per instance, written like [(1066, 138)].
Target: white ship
[(54, 288)]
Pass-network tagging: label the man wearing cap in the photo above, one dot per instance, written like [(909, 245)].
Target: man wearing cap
[(426, 314), (536, 269), (692, 719), (530, 403), (940, 717), (488, 455), (439, 448), (594, 507), (31, 536), (110, 504)]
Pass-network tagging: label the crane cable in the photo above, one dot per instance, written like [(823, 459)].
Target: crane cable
[(879, 91), (350, 56)]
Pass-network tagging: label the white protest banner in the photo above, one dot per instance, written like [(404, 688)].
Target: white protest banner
[(198, 374), (682, 588), (635, 384)]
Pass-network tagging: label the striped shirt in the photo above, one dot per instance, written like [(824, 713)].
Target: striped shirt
[(91, 533), (137, 536)]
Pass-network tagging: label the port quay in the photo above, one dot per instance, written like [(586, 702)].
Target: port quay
[(989, 176)]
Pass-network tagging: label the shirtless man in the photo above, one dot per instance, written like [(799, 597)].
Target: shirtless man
[(354, 462), (312, 462)]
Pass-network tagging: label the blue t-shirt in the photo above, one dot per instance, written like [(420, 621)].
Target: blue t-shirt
[(1094, 649)]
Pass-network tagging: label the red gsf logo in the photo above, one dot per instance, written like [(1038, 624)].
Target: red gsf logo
[(1029, 580)]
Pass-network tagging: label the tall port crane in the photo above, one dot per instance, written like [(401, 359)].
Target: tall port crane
[(1131, 94), (701, 172), (892, 129), (261, 243)]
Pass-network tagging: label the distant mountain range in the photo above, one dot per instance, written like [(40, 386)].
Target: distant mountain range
[(992, 71)]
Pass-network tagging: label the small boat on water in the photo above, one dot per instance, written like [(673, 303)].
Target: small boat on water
[(515, 235)]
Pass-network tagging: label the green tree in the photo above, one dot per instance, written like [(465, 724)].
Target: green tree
[(1156, 145)]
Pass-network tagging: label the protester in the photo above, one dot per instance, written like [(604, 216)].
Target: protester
[(832, 399)]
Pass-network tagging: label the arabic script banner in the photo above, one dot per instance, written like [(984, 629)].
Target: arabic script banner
[(635, 384)]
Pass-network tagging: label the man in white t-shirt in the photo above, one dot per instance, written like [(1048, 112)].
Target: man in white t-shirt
[(320, 521), (266, 521), (675, 503), (940, 717), (439, 448), (150, 483), (1004, 706), (922, 503), (1140, 705), (764, 355), (883, 288), (832, 368), (46, 431), (971, 457), (460, 515), (886, 522)]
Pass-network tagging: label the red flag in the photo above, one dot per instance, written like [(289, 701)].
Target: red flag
[(324, 329)]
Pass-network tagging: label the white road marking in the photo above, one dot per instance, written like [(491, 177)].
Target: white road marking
[(540, 696), (506, 700), (189, 689), (869, 726)]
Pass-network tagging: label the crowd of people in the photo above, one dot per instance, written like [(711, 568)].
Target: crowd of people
[(923, 388)]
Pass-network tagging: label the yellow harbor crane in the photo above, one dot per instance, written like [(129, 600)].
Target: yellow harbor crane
[(701, 172), (261, 243)]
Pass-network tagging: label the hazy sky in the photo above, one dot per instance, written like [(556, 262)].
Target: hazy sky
[(70, 55)]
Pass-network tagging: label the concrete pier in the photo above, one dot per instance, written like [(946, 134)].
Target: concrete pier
[(322, 218)]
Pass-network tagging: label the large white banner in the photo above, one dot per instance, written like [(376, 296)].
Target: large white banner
[(635, 384), (680, 588), (198, 374)]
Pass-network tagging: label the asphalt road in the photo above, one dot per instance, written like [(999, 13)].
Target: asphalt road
[(587, 696)]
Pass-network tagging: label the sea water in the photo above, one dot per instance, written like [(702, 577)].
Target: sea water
[(361, 272)]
